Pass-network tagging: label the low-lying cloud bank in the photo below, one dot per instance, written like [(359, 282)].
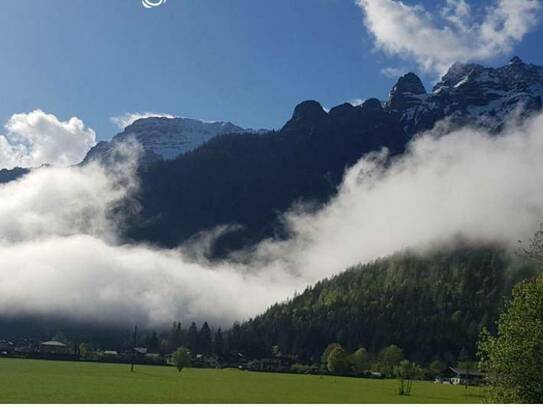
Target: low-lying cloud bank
[(457, 31), (37, 138), (59, 255)]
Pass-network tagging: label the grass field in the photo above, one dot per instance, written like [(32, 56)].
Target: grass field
[(34, 381)]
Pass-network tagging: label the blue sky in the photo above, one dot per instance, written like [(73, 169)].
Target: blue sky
[(247, 61)]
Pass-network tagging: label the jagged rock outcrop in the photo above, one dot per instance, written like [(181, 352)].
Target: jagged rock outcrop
[(470, 94)]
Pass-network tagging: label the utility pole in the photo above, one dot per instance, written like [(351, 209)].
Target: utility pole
[(134, 348)]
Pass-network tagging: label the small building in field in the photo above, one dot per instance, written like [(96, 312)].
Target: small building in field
[(466, 376), (54, 347), (274, 364), (6, 347)]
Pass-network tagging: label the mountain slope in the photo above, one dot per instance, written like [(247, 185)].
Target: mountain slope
[(431, 305), (249, 180)]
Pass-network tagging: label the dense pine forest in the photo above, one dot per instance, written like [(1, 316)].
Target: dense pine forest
[(433, 306)]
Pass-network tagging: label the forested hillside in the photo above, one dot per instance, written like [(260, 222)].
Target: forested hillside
[(250, 179), (433, 306)]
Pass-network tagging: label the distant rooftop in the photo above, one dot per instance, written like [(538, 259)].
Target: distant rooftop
[(466, 372), (53, 343)]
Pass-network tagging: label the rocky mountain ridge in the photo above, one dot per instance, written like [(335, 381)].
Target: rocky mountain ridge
[(165, 138), (469, 94)]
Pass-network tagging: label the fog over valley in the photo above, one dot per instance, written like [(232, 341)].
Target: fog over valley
[(61, 254)]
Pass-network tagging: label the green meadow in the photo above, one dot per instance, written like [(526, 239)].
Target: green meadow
[(35, 381)]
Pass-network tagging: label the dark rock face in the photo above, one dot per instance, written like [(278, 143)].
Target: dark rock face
[(307, 117), (372, 106), (249, 179), (407, 92), (13, 174)]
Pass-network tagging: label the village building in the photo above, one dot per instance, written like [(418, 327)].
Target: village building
[(466, 376), (6, 347), (54, 347)]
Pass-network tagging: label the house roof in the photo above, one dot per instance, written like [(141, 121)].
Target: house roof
[(466, 372), (53, 343)]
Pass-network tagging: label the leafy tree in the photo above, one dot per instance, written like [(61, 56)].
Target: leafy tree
[(513, 358), (436, 367), (181, 358), (360, 360), (84, 350), (406, 372), (389, 358), (337, 361), (327, 351)]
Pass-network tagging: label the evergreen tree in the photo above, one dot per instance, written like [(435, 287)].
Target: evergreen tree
[(175, 336), (431, 305), (193, 338), (218, 343), (152, 342), (204, 339)]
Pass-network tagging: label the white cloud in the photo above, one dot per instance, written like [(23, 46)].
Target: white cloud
[(56, 201), (356, 102), (60, 255), (469, 183), (37, 138), (453, 34), (82, 277), (127, 119), (391, 72)]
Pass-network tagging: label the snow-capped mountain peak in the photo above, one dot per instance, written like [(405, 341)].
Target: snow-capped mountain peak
[(469, 93), (166, 138)]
